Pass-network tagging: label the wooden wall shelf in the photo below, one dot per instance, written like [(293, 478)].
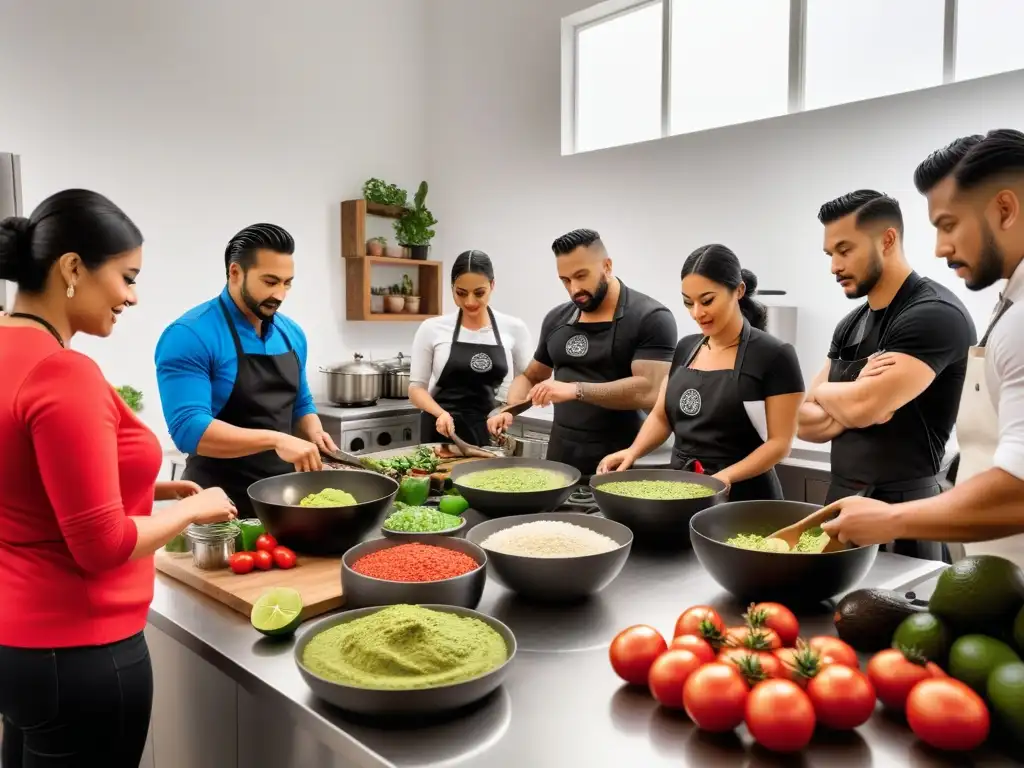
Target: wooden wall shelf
[(353, 224)]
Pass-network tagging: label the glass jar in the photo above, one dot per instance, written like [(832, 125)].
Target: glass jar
[(212, 544)]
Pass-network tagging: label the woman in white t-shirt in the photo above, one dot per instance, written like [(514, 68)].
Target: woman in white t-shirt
[(463, 362)]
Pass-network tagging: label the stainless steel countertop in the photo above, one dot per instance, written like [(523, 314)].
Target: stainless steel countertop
[(561, 705)]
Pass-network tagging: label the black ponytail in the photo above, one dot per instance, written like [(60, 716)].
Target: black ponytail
[(720, 265)]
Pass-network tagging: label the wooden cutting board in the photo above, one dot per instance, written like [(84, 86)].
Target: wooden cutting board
[(317, 579)]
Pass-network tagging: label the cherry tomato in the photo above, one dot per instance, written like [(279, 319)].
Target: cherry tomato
[(946, 714), (689, 622), (754, 665), (893, 675), (843, 697), (668, 674), (241, 562), (780, 716), (263, 559), (714, 697), (777, 617), (284, 558), (834, 650), (634, 650), (763, 639), (265, 543), (700, 647)]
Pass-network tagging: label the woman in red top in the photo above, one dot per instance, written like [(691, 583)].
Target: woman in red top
[(79, 479)]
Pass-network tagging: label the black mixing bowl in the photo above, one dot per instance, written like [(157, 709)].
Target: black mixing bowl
[(321, 530), (664, 522), (501, 504), (786, 577)]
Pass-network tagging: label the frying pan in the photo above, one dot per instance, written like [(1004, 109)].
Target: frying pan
[(322, 530), (499, 503)]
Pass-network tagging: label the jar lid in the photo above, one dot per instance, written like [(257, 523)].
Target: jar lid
[(212, 531)]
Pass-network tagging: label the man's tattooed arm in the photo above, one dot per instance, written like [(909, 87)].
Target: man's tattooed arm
[(639, 391)]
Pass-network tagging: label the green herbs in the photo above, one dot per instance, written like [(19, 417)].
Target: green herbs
[(514, 480), (423, 459), (810, 542), (660, 490), (381, 192), (421, 520), (415, 226), (131, 396)]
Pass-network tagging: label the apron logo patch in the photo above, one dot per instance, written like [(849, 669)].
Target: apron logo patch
[(481, 362), (689, 402), (577, 346)]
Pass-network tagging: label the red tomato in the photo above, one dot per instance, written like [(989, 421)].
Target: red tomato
[(780, 716), (946, 714), (241, 562), (698, 646), (777, 617), (265, 543), (763, 639), (634, 650), (834, 650), (263, 559), (843, 697), (894, 676), (283, 557), (754, 665), (668, 674), (689, 622), (714, 697)]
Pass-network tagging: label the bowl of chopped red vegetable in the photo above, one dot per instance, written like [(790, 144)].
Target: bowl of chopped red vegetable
[(432, 569)]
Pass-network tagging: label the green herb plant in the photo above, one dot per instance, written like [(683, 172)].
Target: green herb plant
[(415, 226), (383, 193), (131, 396)]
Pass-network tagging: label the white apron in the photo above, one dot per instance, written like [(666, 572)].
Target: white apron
[(977, 432)]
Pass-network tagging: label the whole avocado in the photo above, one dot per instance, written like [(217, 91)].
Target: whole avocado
[(867, 618), (978, 593)]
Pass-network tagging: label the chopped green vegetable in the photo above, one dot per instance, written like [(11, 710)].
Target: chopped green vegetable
[(421, 520), (810, 541), (422, 458), (514, 480), (661, 490)]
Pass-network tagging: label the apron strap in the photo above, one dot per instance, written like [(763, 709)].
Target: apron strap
[(234, 331), (1004, 304)]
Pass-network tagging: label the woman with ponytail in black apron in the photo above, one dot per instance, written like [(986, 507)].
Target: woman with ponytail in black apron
[(462, 362), (733, 390)]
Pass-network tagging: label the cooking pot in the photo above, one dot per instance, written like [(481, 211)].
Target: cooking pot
[(354, 383), (533, 447), (396, 377)]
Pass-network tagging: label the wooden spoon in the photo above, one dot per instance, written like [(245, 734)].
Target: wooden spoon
[(790, 535)]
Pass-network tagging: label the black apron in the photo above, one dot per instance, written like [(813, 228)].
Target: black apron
[(264, 395), (858, 448), (466, 387), (581, 433), (705, 410)]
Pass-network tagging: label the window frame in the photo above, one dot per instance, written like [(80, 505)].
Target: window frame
[(612, 9)]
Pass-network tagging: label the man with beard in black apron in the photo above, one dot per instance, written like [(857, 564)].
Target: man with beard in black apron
[(231, 374), (888, 424), (601, 357), (975, 191)]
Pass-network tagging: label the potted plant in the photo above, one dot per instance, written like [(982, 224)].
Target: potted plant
[(381, 192), (412, 302), (131, 396), (375, 246), (393, 250), (394, 302), (414, 228), (377, 300)]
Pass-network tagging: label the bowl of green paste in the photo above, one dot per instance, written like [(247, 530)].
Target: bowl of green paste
[(514, 486), (402, 660), (731, 542)]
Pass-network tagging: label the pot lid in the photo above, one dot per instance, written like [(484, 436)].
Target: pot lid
[(358, 365), (399, 364)]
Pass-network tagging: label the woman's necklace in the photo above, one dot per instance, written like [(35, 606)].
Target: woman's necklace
[(736, 343), (43, 322)]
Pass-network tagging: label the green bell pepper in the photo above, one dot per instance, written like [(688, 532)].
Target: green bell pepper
[(248, 532), (414, 490)]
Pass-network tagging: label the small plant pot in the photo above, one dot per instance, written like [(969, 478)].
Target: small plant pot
[(374, 248), (394, 304), (376, 304), (412, 305), (419, 252), (394, 252)]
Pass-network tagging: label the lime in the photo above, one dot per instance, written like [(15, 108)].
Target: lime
[(973, 657), (277, 612), (453, 505), (925, 634), (1006, 695)]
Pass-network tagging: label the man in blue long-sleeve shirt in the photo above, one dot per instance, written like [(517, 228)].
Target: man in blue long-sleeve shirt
[(232, 378)]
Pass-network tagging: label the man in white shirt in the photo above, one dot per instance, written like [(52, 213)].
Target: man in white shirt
[(975, 191)]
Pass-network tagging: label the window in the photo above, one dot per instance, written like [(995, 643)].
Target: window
[(988, 37), (730, 62), (863, 49), (618, 79)]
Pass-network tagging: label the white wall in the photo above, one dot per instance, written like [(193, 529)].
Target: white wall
[(504, 188), (200, 117)]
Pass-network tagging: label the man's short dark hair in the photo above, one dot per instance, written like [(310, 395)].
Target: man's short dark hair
[(578, 238), (243, 246), (1001, 152), (940, 163), (870, 206)]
